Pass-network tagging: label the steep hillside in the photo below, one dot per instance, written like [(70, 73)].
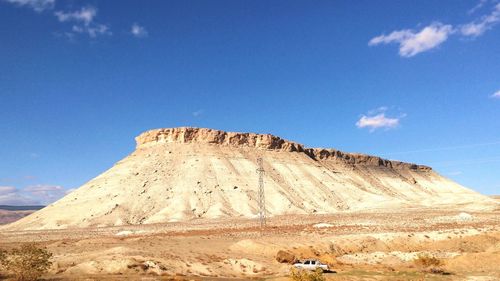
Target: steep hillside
[(187, 173)]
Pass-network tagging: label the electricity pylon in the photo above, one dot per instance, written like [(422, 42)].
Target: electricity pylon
[(262, 198)]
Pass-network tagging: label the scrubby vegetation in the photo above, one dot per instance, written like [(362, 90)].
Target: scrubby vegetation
[(306, 275), (26, 263), (426, 261), (431, 264)]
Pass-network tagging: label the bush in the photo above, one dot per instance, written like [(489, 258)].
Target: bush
[(27, 263), (430, 264), (426, 261), (305, 275)]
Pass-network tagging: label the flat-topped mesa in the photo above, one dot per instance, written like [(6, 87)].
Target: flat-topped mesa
[(218, 137), (263, 141)]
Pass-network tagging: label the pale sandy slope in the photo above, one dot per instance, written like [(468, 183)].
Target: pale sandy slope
[(185, 173)]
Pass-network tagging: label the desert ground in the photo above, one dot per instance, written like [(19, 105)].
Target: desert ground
[(372, 245)]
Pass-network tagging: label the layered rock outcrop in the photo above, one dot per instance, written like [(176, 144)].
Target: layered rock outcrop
[(262, 141)]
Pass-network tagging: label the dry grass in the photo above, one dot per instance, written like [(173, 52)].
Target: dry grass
[(26, 263), (430, 264), (427, 261), (305, 275)]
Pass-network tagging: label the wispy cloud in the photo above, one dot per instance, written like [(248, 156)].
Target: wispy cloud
[(412, 42), (85, 15), (93, 30), (197, 112), (478, 27), (84, 22), (34, 194), (46, 193), (138, 31), (478, 6), (36, 5), (82, 19), (496, 95), (377, 119), (10, 195), (7, 189)]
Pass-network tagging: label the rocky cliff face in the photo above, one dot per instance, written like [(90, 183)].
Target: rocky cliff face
[(190, 135), (180, 174), (216, 137)]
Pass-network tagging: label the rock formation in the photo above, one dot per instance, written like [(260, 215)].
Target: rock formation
[(181, 174)]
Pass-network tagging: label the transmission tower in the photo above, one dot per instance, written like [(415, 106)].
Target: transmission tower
[(262, 198)]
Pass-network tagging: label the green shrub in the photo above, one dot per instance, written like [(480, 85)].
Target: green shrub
[(27, 263), (306, 275)]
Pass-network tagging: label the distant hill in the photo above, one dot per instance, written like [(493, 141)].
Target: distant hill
[(10, 214), (21, 208)]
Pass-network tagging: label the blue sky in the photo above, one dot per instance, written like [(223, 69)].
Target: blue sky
[(417, 81)]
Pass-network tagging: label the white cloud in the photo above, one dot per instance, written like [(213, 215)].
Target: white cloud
[(412, 43), (10, 195), (35, 194), (37, 5), (85, 15), (45, 193), (92, 30), (377, 119), (84, 19), (7, 189), (138, 31), (478, 6), (376, 122), (478, 27), (496, 95)]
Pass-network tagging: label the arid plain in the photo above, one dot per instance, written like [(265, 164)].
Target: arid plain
[(358, 246)]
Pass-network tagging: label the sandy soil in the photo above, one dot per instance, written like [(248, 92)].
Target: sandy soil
[(358, 246)]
